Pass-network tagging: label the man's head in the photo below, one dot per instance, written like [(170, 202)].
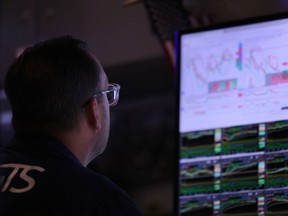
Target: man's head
[(48, 84)]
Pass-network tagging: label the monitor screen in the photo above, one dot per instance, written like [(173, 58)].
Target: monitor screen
[(233, 118)]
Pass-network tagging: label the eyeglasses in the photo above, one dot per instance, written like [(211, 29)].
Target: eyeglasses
[(112, 94)]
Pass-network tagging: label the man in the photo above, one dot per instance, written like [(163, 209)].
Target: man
[(60, 100)]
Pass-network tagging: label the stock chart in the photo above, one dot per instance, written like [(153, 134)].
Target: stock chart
[(233, 120)]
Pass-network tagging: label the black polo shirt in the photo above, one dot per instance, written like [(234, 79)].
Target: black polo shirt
[(40, 176)]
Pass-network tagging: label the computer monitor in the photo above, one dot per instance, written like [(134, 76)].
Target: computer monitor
[(233, 118)]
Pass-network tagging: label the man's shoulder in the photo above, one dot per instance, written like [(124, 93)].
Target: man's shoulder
[(62, 181)]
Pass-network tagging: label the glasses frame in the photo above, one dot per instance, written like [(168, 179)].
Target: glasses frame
[(111, 87)]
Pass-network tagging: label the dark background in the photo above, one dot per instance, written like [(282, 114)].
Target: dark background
[(130, 39)]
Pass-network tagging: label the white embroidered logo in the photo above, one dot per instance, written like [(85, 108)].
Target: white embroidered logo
[(23, 174)]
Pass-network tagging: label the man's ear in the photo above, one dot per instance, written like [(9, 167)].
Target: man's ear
[(92, 114)]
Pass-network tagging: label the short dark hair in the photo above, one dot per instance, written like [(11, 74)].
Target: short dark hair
[(49, 82)]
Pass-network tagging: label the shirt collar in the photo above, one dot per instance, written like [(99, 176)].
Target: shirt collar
[(44, 143)]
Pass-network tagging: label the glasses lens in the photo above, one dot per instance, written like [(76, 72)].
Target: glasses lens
[(113, 94)]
